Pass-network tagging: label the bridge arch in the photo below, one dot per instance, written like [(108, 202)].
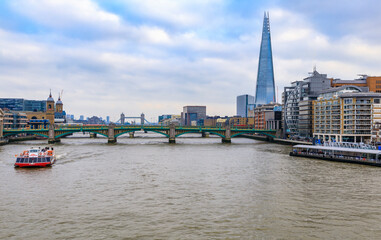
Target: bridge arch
[(216, 133), (119, 134), (177, 135), (105, 135), (267, 134), (149, 130)]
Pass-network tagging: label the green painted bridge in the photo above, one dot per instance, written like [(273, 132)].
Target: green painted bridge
[(55, 133)]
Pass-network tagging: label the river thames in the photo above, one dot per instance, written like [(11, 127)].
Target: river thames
[(198, 188)]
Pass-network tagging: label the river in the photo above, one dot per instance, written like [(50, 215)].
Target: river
[(198, 188)]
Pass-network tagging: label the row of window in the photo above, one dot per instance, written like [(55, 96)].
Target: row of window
[(32, 160)]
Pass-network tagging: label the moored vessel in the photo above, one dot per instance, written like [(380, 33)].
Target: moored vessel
[(340, 152), (36, 157)]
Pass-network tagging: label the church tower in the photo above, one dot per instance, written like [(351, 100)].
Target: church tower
[(50, 109), (59, 105), (265, 89)]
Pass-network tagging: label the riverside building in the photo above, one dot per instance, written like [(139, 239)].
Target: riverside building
[(268, 116), (297, 104), (347, 114)]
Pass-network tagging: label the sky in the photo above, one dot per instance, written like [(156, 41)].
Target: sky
[(154, 57)]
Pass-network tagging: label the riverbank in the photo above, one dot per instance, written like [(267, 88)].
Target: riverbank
[(19, 139), (3, 141), (275, 140)]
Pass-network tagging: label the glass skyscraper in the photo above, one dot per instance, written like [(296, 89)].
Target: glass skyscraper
[(243, 103), (265, 89)]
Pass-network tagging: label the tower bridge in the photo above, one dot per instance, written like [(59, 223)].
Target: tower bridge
[(123, 118), (112, 131)]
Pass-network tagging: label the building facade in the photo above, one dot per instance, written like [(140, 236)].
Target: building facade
[(193, 114), (242, 122), (268, 116), (297, 104), (14, 120), (372, 83), (347, 114), (33, 114), (243, 104), (265, 87), (19, 104)]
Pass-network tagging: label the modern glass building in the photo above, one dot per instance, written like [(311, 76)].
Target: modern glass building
[(13, 104), (243, 103), (35, 105), (20, 104), (265, 88), (193, 114)]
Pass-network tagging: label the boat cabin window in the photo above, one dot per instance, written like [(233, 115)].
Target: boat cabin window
[(33, 151), (48, 159), (18, 159)]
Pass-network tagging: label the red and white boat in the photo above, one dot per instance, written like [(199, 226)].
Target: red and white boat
[(36, 157)]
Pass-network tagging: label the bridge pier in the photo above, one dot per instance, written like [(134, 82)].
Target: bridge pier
[(172, 133), (52, 139), (132, 134), (227, 138), (111, 133), (205, 134), (93, 135)]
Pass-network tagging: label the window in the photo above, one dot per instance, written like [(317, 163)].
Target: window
[(376, 100), (348, 100), (18, 159)]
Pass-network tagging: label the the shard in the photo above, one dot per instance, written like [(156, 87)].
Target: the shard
[(265, 89)]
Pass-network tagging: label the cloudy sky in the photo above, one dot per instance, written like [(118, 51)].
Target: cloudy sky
[(155, 56)]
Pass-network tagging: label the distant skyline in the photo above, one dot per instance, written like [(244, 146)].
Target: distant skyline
[(155, 57)]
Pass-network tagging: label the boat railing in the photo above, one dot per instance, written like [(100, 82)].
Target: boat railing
[(350, 145), (320, 154)]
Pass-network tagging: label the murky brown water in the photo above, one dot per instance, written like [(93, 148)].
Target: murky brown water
[(144, 188)]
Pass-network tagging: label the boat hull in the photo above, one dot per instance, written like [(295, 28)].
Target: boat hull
[(32, 165), (335, 159), (27, 164)]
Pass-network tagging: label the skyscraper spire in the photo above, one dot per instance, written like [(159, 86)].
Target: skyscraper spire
[(265, 88)]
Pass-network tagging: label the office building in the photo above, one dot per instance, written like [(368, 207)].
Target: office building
[(265, 87), (268, 116), (192, 115), (297, 104), (243, 103), (20, 104), (163, 117)]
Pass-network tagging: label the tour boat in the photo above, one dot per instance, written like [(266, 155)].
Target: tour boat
[(340, 152), (36, 157)]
